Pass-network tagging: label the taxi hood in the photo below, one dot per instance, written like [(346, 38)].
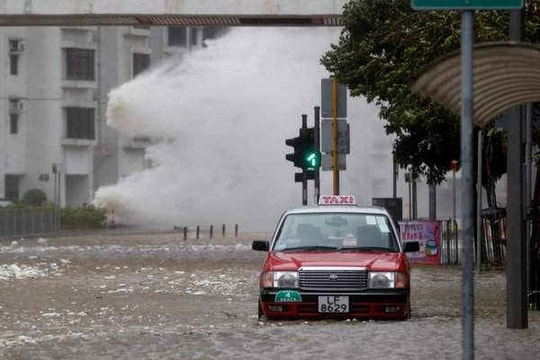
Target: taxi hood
[(372, 260)]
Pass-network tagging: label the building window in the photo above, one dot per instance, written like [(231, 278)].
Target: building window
[(141, 62), (14, 64), (214, 32), (16, 47), (80, 64), (194, 32), (13, 123), (15, 105), (177, 36), (80, 123), (13, 46), (11, 187)]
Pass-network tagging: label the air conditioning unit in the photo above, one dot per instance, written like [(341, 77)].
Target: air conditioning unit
[(17, 46), (16, 106)]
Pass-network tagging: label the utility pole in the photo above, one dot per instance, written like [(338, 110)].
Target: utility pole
[(334, 137), (516, 272)]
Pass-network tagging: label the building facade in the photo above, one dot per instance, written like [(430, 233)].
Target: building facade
[(54, 92)]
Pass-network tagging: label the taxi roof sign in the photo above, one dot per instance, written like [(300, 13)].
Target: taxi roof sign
[(337, 200)]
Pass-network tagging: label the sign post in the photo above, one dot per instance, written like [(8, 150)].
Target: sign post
[(334, 106)]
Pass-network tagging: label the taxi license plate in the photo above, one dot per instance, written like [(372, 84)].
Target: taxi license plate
[(333, 304)]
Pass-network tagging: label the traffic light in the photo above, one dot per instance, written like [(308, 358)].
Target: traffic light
[(305, 156), (311, 156), (296, 156)]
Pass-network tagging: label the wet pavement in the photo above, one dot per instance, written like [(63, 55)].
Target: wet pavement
[(116, 295)]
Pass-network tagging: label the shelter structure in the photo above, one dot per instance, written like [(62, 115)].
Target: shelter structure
[(505, 76)]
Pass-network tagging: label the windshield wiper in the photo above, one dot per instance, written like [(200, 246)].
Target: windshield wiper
[(312, 247)]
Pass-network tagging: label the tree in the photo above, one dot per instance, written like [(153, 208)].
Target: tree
[(382, 50), (384, 47), (34, 197), (494, 164)]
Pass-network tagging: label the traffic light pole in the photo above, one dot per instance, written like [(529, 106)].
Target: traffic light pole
[(306, 156), (304, 171), (317, 175)]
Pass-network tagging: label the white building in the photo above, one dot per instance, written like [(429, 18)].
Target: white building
[(54, 87)]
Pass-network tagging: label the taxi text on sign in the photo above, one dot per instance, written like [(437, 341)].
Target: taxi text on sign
[(466, 4), (337, 200)]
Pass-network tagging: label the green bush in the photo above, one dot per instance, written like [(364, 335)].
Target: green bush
[(85, 217), (34, 197)]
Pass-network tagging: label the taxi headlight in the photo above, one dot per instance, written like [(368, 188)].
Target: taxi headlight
[(280, 279), (387, 280), (285, 279), (381, 280)]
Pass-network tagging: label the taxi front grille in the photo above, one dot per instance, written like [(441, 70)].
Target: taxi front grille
[(328, 279)]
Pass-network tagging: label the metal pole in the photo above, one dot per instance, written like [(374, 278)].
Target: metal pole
[(528, 191), (334, 137), (317, 174), (59, 193), (479, 203), (394, 176), (414, 198), (516, 273), (432, 202), (54, 169), (304, 171), (410, 200), (454, 196), (467, 179)]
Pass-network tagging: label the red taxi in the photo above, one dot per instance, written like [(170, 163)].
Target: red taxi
[(335, 260)]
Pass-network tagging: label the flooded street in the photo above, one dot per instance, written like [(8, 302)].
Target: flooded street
[(114, 295)]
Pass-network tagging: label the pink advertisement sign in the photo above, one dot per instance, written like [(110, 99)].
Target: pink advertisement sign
[(428, 234)]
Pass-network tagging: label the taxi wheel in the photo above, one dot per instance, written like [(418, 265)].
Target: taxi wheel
[(260, 312), (408, 314)]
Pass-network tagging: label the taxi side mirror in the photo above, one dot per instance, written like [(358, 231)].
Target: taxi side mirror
[(260, 245), (411, 246)]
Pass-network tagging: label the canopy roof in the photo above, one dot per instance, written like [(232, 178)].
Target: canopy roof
[(505, 74)]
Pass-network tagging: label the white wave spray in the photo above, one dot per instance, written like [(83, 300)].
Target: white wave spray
[(222, 114)]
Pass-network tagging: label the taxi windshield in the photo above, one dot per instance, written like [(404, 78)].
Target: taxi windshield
[(336, 231)]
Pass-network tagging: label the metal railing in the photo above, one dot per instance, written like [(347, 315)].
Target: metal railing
[(24, 222), (494, 237), (493, 240), (198, 230), (449, 242)]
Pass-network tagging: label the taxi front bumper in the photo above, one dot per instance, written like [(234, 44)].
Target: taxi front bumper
[(369, 304)]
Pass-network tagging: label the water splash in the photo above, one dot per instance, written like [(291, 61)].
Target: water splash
[(222, 114)]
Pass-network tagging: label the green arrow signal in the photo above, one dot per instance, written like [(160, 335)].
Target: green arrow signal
[(313, 159)]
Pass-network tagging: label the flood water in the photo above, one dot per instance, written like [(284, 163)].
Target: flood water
[(157, 296)]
